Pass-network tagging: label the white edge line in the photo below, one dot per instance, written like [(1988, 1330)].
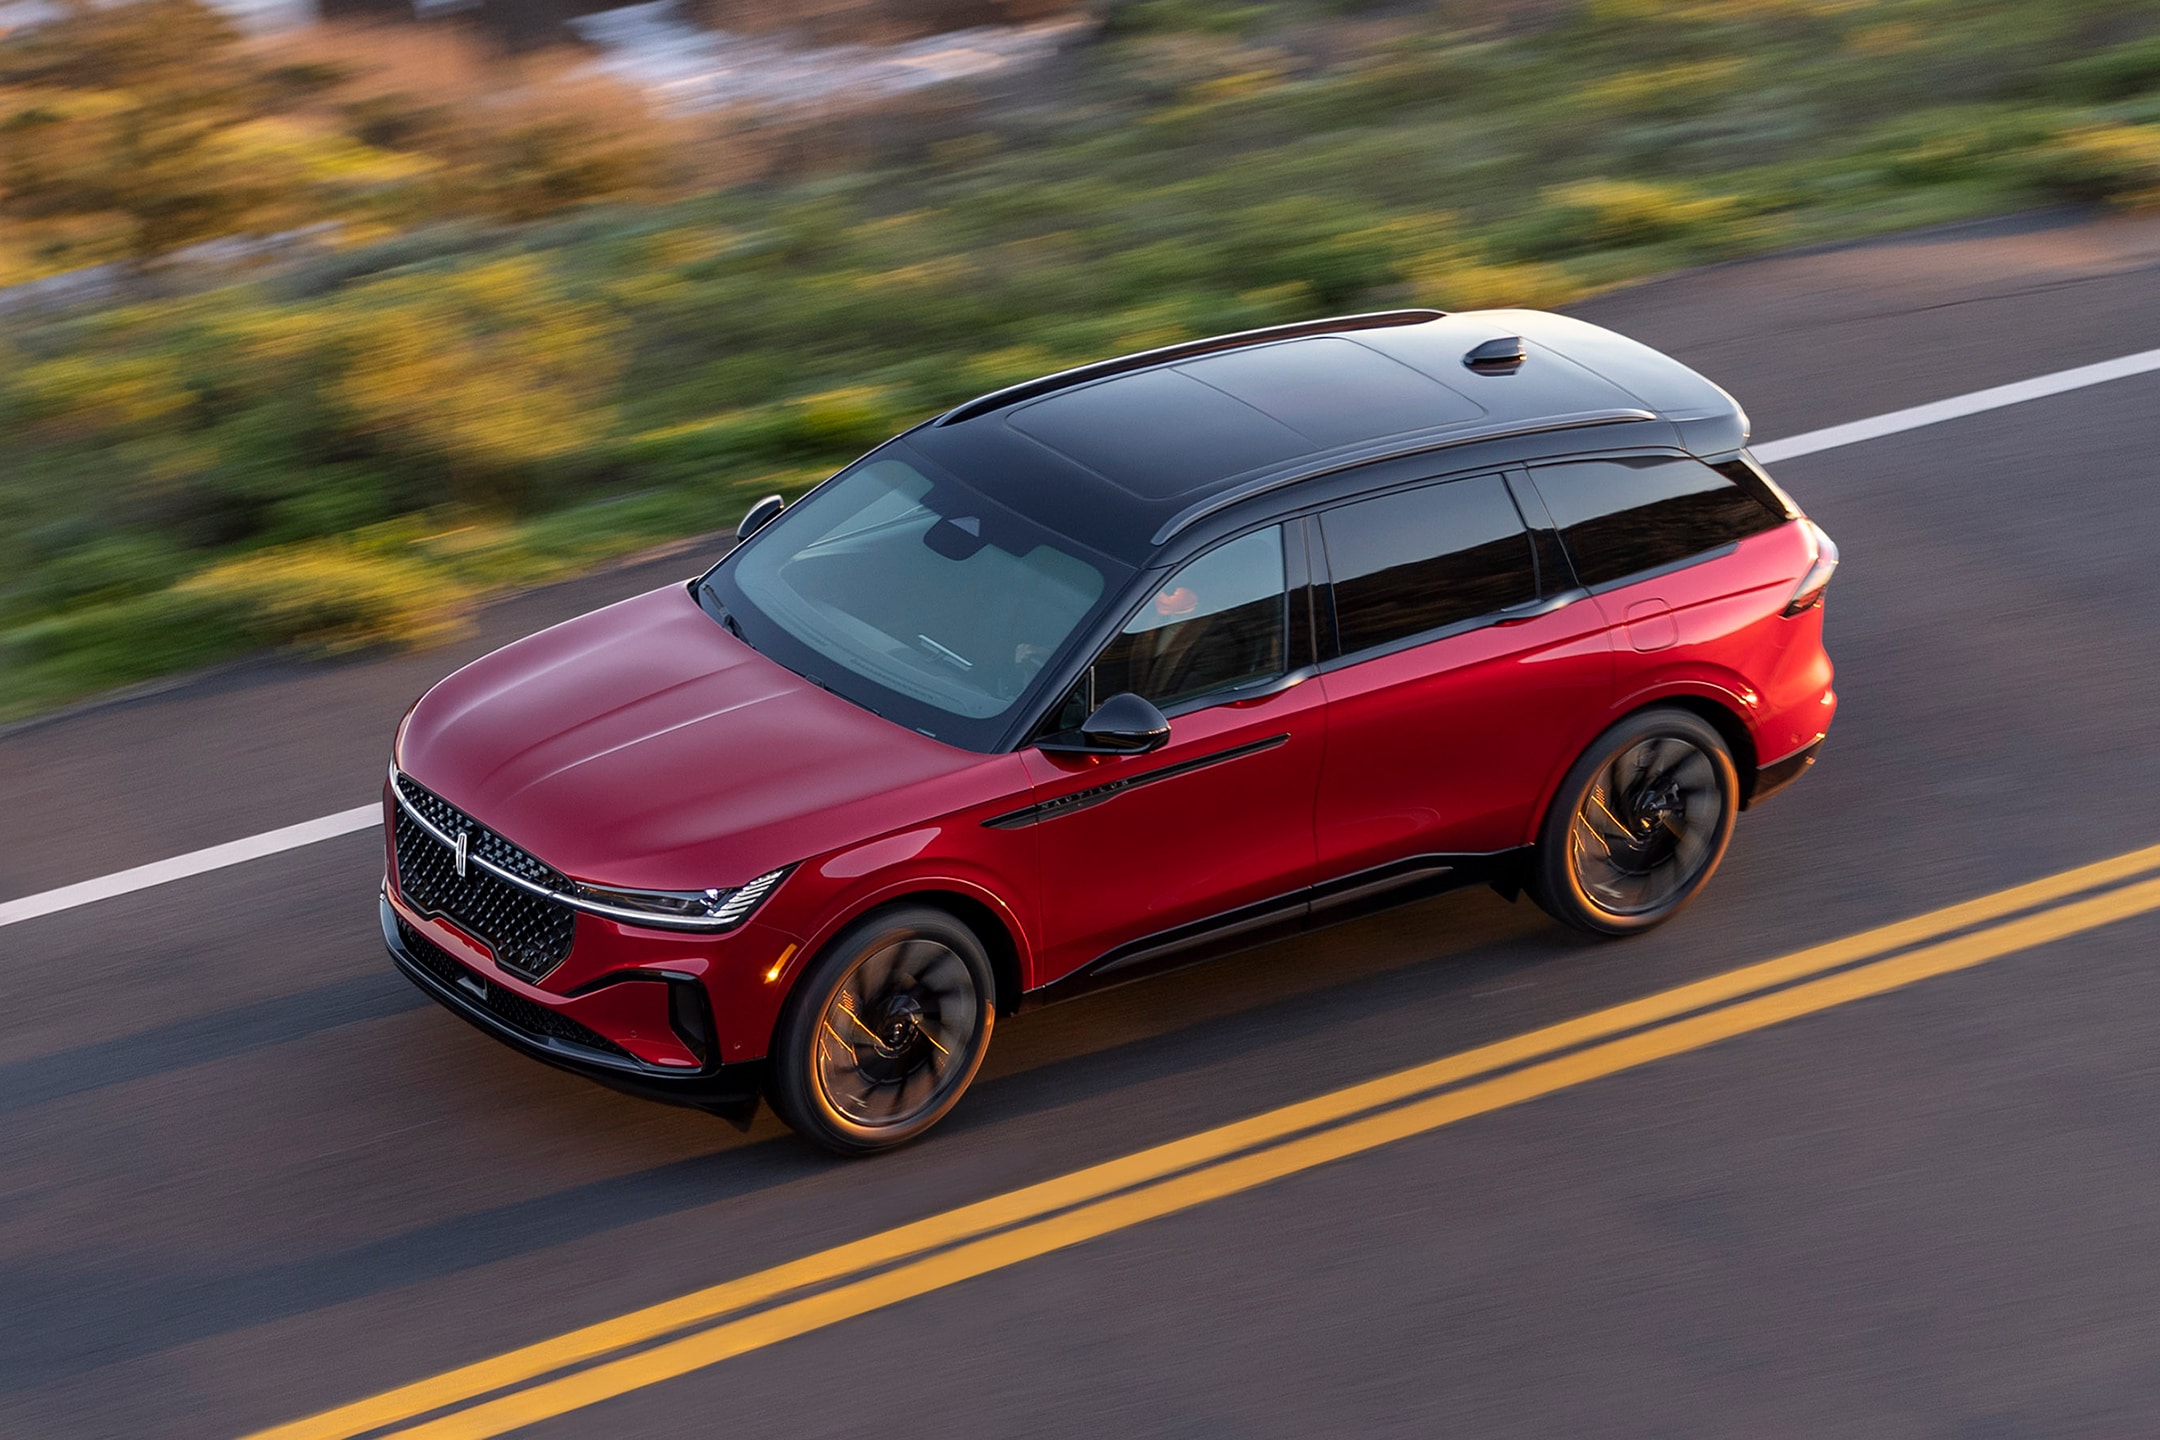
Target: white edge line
[(1958, 406), (195, 862), (364, 817)]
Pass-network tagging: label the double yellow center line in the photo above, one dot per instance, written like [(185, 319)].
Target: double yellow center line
[(674, 1338)]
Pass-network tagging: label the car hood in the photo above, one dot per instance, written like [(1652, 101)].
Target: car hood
[(643, 745)]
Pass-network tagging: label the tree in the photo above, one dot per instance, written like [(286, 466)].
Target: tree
[(132, 130)]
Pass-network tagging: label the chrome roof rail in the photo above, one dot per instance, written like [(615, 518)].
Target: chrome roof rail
[(1312, 467), (1185, 350)]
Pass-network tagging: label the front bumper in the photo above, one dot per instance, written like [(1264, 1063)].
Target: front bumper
[(728, 1090)]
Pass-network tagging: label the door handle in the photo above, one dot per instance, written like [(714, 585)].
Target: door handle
[(1261, 690), (1531, 609)]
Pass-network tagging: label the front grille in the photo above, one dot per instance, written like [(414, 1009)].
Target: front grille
[(515, 1011), (485, 843), (525, 932)]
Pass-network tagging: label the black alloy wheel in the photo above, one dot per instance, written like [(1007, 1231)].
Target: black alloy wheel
[(881, 1035), (1639, 824)]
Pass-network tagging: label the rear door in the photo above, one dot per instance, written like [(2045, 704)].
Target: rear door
[(1466, 658), (1663, 542), (1148, 855)]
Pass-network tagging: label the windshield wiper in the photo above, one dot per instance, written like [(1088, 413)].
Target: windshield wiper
[(719, 611), (944, 653)]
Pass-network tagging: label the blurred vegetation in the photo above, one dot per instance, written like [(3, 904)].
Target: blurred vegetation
[(539, 325)]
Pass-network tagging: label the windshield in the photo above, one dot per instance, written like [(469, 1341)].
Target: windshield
[(916, 598)]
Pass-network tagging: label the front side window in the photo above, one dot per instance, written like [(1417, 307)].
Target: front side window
[(1220, 621), (919, 599), (1621, 516), (1418, 560)]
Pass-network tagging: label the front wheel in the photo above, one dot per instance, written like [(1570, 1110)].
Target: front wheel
[(1638, 826), (884, 1032)]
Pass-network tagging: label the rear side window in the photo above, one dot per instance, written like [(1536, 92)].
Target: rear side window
[(1621, 516), (1417, 560)]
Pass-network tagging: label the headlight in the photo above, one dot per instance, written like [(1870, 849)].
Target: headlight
[(706, 910)]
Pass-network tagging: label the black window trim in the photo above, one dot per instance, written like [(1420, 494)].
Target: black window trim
[(1299, 547), (1326, 637), (1743, 469), (1546, 551), (1689, 562), (1636, 577), (1336, 658)]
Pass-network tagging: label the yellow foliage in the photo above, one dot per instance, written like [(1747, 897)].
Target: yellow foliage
[(487, 370), (1667, 89), (2119, 164), (280, 150), (332, 598), (517, 137), (1635, 212), (1893, 38), (1453, 279), (854, 416), (89, 174), (77, 397), (1238, 86)]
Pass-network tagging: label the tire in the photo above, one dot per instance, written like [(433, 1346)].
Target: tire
[(1638, 826), (884, 1032)]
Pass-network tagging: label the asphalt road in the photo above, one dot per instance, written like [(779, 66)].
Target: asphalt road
[(246, 1172)]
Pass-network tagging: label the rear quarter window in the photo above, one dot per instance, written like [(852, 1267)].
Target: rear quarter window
[(1618, 517)]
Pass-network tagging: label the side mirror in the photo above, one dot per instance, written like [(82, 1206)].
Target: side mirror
[(761, 514), (1124, 724)]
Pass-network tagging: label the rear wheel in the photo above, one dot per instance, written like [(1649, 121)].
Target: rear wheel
[(1639, 824), (884, 1032)]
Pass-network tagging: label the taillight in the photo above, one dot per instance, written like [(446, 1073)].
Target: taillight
[(1810, 592)]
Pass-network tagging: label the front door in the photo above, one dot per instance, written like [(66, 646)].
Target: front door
[(1142, 854)]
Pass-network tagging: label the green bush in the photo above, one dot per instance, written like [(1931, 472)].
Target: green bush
[(2113, 164), (1620, 214), (108, 568), (1956, 144), (116, 643), (2113, 74)]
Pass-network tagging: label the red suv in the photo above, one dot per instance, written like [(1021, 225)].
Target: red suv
[(1109, 672)]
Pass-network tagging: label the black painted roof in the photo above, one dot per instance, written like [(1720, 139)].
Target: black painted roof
[(1120, 460)]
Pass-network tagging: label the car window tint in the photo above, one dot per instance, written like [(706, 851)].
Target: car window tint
[(1621, 516), (1419, 559), (1222, 620)]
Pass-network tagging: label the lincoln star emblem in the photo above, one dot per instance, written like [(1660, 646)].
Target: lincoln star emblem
[(464, 837)]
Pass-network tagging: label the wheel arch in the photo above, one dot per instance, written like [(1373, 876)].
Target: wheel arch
[(1730, 727), (1722, 713), (989, 927), (994, 925)]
